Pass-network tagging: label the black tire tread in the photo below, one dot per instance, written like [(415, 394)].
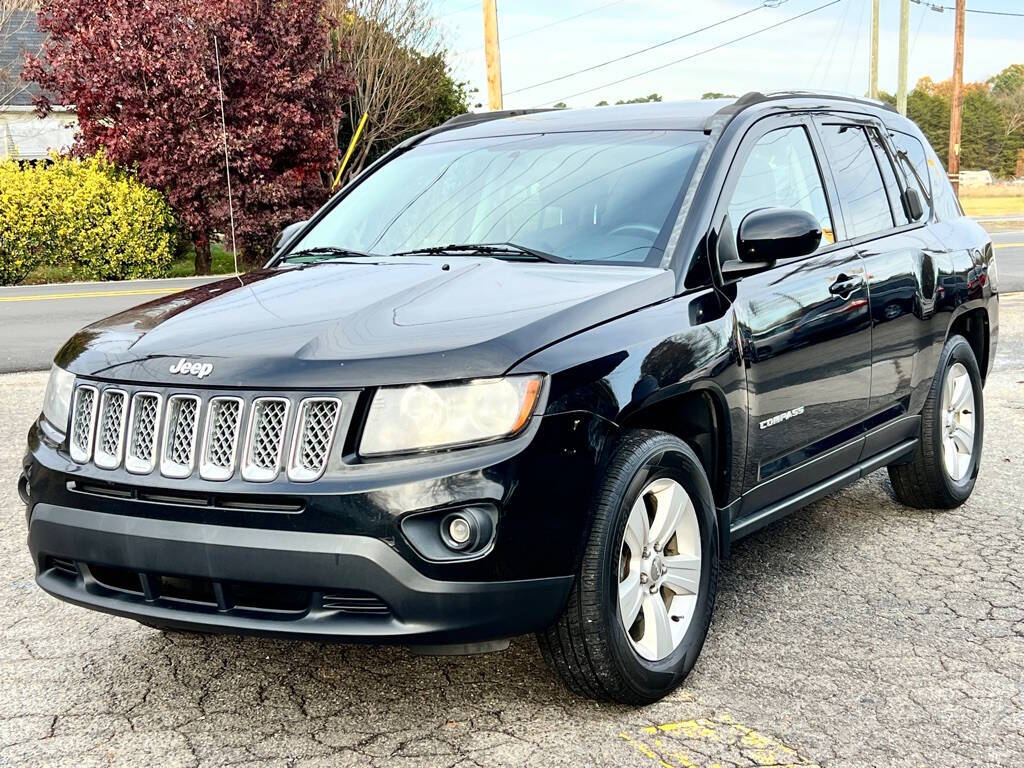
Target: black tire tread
[(575, 646), (919, 483)]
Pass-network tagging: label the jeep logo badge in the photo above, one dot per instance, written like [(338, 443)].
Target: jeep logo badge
[(188, 368)]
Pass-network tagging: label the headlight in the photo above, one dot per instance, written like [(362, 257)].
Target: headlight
[(57, 400), (420, 417)]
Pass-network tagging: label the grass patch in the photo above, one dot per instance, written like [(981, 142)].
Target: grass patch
[(1004, 205), (183, 266), (222, 263)]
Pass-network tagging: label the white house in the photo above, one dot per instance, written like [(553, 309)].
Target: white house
[(23, 134)]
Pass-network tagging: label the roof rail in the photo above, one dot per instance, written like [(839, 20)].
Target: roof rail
[(472, 118), (729, 111)]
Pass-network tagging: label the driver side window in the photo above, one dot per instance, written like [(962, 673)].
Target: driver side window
[(781, 172)]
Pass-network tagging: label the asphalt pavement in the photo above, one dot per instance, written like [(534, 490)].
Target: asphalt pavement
[(35, 320), (855, 632)]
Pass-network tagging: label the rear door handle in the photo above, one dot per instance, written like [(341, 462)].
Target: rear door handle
[(845, 285)]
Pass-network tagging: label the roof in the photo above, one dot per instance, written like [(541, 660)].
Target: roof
[(20, 36), (675, 115)]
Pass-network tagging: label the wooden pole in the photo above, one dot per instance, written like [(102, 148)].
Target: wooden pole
[(901, 86), (956, 102), (873, 77), (492, 53)]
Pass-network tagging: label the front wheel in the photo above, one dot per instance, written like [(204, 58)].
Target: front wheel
[(945, 466), (639, 611)]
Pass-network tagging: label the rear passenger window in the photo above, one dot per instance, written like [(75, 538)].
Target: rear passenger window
[(858, 180), (892, 186), (911, 158), (781, 172)]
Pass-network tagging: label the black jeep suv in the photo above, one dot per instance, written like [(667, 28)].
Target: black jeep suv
[(529, 373)]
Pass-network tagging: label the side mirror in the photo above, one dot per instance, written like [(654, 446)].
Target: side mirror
[(287, 234), (771, 234), (912, 204)]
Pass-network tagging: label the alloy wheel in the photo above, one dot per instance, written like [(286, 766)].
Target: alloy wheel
[(659, 569), (958, 423)]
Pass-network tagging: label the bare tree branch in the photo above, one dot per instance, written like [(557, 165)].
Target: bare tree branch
[(390, 44)]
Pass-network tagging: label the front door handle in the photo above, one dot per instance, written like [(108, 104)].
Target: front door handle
[(845, 285)]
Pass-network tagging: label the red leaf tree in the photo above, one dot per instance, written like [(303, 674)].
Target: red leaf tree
[(142, 77)]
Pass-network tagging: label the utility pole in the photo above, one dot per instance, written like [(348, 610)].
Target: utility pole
[(956, 102), (901, 86), (492, 54), (873, 78)]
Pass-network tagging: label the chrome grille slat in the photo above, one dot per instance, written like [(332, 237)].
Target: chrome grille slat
[(220, 438), (314, 437), (268, 422), (143, 431), (212, 437), (83, 423), (110, 430), (178, 455)]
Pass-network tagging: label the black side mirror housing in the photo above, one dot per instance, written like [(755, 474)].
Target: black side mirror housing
[(912, 204), (287, 234), (770, 234)]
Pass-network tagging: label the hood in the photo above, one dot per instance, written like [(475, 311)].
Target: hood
[(357, 323)]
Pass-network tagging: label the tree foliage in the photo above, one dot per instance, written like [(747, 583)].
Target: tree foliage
[(992, 134), (401, 78), (142, 75), (83, 215)]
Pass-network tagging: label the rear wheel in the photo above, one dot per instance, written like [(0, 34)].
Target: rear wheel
[(945, 466), (639, 610)]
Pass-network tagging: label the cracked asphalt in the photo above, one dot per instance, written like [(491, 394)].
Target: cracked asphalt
[(854, 633)]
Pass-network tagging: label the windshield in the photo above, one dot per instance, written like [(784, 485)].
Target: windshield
[(603, 196)]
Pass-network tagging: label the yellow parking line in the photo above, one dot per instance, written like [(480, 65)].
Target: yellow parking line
[(733, 743), (90, 294), (1007, 245)]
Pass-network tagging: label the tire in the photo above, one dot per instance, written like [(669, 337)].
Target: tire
[(926, 482), (588, 647)]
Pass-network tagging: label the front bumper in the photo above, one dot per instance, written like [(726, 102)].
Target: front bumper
[(286, 583)]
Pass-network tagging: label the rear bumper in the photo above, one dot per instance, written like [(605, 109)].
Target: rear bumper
[(337, 586)]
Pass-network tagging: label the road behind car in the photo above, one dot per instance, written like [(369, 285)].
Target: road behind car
[(855, 633)]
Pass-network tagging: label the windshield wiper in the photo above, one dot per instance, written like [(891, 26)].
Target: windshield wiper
[(513, 250), (325, 252)]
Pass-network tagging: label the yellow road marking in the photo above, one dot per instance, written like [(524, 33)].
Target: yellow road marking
[(687, 744), (1007, 245), (90, 294)]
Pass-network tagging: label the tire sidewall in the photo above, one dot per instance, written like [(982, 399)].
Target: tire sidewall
[(668, 457), (958, 350)]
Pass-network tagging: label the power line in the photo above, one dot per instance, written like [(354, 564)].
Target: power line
[(556, 22), (460, 9), (698, 53), (941, 8), (765, 4)]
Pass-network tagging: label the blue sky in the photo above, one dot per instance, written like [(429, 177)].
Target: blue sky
[(826, 50)]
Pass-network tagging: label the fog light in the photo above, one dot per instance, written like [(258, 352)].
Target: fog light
[(459, 530)]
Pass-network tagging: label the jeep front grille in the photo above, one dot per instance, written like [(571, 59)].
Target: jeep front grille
[(314, 435), (265, 439), (178, 457), (110, 436), (142, 433), (83, 423), (182, 435), (221, 438)]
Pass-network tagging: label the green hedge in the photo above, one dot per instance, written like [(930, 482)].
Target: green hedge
[(83, 215)]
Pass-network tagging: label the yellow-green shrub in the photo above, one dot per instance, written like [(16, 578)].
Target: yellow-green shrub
[(85, 215)]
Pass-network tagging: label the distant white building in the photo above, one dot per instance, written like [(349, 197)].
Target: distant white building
[(23, 134)]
